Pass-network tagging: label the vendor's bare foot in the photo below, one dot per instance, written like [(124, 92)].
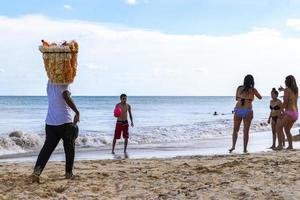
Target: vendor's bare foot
[(69, 175), (272, 147), (231, 150), (112, 152), (35, 178), (245, 151), (289, 148)]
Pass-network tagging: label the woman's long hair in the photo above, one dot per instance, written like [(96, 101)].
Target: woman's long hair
[(248, 83), (275, 91), (290, 82)]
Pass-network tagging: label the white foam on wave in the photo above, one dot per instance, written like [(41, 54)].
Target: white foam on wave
[(93, 139), (18, 142), (165, 134), (200, 130)]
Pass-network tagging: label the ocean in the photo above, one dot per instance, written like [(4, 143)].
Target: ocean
[(158, 120)]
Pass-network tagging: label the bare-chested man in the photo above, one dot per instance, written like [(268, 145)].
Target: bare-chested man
[(122, 122)]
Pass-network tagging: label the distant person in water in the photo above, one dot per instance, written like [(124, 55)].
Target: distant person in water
[(275, 113), (59, 125), (122, 125), (290, 112), (245, 95)]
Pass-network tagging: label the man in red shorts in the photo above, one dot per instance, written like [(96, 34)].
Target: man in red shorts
[(122, 122)]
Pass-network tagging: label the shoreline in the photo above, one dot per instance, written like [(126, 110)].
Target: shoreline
[(258, 142), (269, 175)]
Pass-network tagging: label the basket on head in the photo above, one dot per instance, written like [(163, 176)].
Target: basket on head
[(60, 61)]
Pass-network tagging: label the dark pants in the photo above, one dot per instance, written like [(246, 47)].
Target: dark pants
[(68, 133)]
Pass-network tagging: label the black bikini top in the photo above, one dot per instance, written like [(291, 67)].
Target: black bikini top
[(275, 107), (243, 100)]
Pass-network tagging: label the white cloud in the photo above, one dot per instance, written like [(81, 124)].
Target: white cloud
[(145, 62), (293, 23), (199, 70), (94, 66), (131, 2), (68, 7)]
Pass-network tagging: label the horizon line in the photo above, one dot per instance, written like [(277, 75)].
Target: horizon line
[(127, 95)]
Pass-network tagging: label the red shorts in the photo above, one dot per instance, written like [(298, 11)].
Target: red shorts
[(121, 126)]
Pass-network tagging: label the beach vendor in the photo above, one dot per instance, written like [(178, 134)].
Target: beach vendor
[(60, 63)]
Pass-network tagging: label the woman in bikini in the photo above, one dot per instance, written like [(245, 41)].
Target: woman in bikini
[(290, 112), (243, 110), (275, 107)]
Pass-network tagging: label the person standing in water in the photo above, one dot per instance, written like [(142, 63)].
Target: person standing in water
[(245, 95), (290, 112), (276, 110), (59, 125), (122, 123)]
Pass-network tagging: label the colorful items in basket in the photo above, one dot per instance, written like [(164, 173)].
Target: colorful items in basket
[(60, 61)]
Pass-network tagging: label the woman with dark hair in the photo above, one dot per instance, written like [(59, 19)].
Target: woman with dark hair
[(243, 110), (276, 110), (290, 114)]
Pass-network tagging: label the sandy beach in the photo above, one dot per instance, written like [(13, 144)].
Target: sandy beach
[(269, 175)]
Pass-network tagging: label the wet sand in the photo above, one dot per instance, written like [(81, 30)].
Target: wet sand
[(269, 175)]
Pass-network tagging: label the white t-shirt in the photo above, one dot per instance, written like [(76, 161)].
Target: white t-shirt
[(58, 111)]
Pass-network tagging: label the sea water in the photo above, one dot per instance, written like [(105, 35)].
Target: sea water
[(156, 120)]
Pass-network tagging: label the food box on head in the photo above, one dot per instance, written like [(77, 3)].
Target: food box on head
[(60, 61)]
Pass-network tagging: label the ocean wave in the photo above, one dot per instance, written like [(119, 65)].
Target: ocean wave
[(200, 130), (19, 142)]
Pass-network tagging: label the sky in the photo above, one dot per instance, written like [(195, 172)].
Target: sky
[(152, 47)]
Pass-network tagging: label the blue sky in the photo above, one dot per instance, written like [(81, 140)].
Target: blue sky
[(152, 47), (216, 17)]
